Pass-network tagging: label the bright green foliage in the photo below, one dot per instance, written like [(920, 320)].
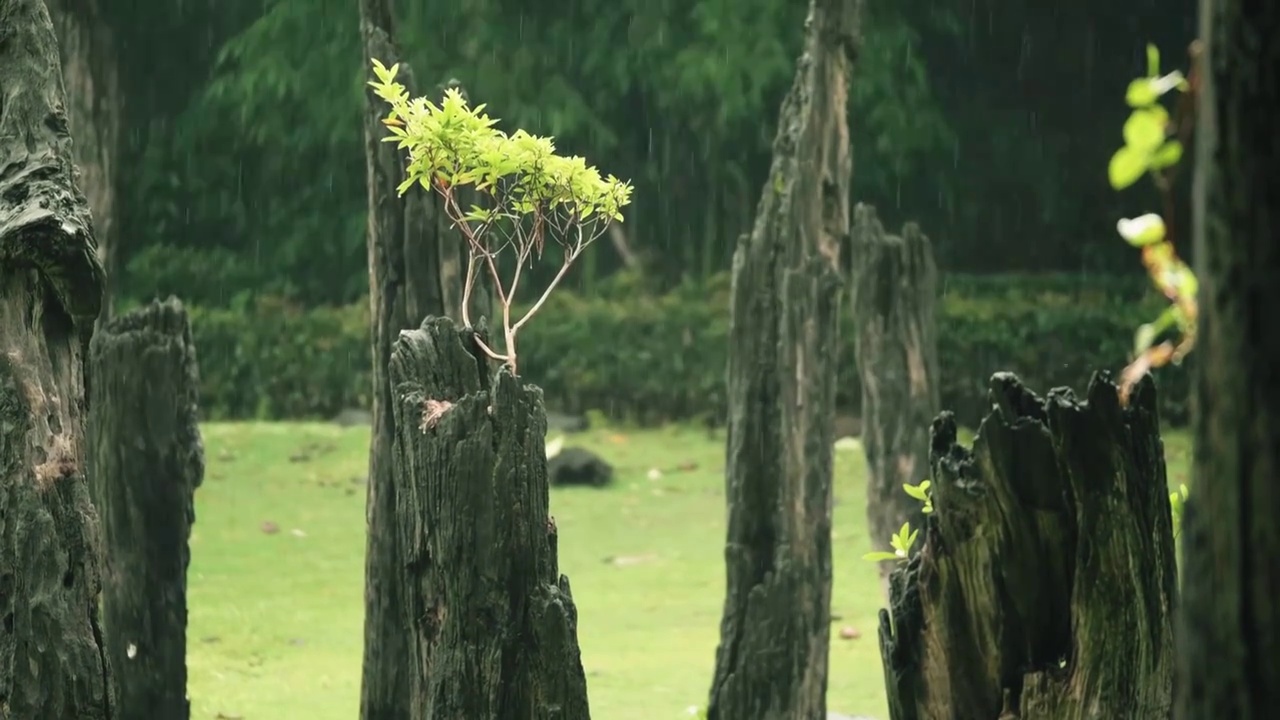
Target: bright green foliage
[(529, 193), (901, 543), (452, 145), (1151, 147), (902, 540), (921, 493), (1147, 146)]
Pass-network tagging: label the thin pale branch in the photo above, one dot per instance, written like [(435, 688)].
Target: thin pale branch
[(564, 268), (489, 351)]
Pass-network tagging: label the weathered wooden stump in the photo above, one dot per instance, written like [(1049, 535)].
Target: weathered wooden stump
[(146, 459), (492, 624), (52, 663), (775, 630), (895, 291), (1045, 586)]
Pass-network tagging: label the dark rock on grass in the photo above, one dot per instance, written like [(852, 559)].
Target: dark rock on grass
[(578, 466)]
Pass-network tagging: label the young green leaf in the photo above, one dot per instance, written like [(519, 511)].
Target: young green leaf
[(880, 556), (1126, 167), (1167, 155)]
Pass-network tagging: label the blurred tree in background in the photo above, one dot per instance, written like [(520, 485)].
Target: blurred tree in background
[(243, 174)]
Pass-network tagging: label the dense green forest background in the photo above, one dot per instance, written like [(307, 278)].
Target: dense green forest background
[(989, 123), (241, 177)]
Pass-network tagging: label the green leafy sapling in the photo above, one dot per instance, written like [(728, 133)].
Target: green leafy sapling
[(1153, 144), (905, 538), (528, 194)]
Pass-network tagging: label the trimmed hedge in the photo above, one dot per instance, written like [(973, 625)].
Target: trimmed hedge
[(649, 357)]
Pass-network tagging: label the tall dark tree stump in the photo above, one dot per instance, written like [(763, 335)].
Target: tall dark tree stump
[(1229, 625), (1045, 585), (895, 293), (146, 460), (416, 267), (771, 663), (53, 663), (490, 619)]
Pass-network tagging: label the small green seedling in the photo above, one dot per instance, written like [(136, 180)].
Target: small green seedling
[(901, 542)]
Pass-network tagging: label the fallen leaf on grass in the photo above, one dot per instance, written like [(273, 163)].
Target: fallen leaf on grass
[(270, 528), (848, 632)]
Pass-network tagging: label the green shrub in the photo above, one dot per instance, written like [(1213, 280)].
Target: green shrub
[(271, 359), (647, 357)]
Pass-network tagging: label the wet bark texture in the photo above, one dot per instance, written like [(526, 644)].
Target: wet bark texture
[(146, 460), (895, 289), (94, 103), (491, 621), (1229, 631), (1046, 580), (53, 662), (414, 266), (774, 635)]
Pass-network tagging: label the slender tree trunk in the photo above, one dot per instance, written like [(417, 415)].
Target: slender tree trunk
[(91, 72), (895, 291), (413, 272), (1229, 631), (490, 618), (772, 659), (1043, 585), (146, 460), (53, 662)]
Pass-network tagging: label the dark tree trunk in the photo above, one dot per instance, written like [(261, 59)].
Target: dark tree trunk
[(490, 619), (1045, 584), (53, 662), (91, 73), (774, 635), (1229, 629), (895, 288), (146, 460), (413, 272)]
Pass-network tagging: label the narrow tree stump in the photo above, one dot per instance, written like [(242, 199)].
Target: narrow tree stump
[(1229, 624), (146, 460), (52, 662), (491, 620), (415, 263), (1045, 586), (895, 290), (775, 631)]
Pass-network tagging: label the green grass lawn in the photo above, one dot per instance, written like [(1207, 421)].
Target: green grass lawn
[(278, 567)]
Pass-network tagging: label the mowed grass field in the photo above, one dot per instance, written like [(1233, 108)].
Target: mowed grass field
[(277, 571)]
